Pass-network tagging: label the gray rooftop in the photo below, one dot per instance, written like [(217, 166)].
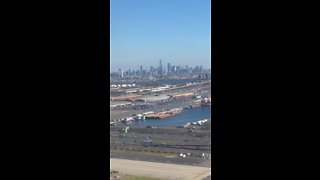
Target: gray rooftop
[(155, 98)]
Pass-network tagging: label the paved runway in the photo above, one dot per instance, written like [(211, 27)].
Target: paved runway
[(159, 170), (172, 159)]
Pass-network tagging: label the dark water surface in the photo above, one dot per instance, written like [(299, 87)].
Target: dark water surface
[(187, 115)]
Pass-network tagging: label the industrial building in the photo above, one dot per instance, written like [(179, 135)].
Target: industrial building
[(119, 104), (153, 98), (179, 95), (126, 97)]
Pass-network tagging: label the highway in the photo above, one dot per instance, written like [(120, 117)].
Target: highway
[(176, 140)]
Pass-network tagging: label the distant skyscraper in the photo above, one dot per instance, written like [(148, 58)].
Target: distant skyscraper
[(141, 69), (169, 68), (160, 68), (151, 69), (120, 73)]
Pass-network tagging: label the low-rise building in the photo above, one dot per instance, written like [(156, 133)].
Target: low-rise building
[(119, 104)]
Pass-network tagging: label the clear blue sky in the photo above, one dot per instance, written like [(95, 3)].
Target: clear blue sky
[(145, 31)]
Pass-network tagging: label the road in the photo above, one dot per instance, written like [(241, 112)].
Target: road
[(159, 170)]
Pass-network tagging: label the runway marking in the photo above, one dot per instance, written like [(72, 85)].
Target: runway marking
[(170, 156)]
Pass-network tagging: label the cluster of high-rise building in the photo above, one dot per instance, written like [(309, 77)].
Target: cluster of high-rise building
[(159, 71)]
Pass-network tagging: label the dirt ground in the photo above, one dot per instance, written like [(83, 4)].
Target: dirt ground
[(159, 170), (128, 177)]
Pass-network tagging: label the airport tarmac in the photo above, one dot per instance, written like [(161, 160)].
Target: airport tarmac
[(159, 170), (172, 159)]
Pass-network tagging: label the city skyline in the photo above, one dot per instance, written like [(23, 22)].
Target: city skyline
[(144, 31), (152, 63), (164, 66)]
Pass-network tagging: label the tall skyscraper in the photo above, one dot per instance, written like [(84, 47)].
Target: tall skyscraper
[(120, 73), (169, 68), (160, 68), (140, 69), (151, 69)]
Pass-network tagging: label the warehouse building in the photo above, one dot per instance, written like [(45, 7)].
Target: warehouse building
[(153, 98), (119, 104)]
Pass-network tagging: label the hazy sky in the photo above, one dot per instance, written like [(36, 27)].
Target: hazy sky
[(145, 31)]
